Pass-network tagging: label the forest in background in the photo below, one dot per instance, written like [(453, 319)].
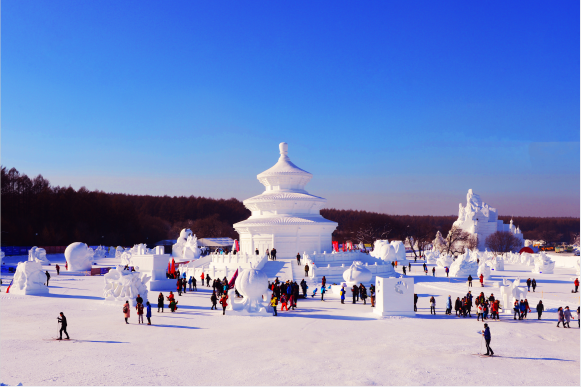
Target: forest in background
[(34, 213)]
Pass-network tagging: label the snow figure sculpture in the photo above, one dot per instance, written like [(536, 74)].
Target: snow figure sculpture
[(432, 257), (190, 250), (29, 279), (463, 266), (252, 285), (439, 244), (483, 269), (126, 259), (518, 293), (37, 254), (100, 252), (178, 247), (543, 264), (124, 285), (119, 251), (444, 261), (527, 259), (78, 257), (497, 263), (357, 274), (111, 253), (399, 251)]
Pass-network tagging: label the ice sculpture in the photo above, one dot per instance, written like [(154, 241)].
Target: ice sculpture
[(444, 260), (38, 254), (464, 265), (178, 247), (100, 252), (357, 274), (190, 250), (78, 256), (394, 251), (124, 285), (497, 263), (252, 285), (29, 279), (543, 264)]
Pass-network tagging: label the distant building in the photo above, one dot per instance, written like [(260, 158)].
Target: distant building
[(479, 219)]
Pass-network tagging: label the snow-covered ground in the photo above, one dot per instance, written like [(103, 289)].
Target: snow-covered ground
[(320, 343)]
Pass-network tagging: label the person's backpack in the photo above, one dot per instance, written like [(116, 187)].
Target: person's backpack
[(125, 309)]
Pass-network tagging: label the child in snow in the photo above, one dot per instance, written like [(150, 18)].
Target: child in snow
[(283, 303), (224, 303)]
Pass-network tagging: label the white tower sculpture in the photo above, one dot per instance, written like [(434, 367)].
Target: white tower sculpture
[(285, 216)]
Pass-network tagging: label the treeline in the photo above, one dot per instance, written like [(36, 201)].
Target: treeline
[(36, 213)]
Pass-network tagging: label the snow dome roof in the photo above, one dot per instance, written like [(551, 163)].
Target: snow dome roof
[(284, 175)]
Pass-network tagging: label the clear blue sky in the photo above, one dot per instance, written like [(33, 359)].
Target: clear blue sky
[(396, 107)]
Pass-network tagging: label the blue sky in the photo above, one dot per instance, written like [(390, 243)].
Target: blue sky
[(396, 107)]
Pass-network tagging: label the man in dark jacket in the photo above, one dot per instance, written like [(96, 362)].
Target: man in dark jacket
[(486, 334), (304, 287), (415, 302), (534, 284), (273, 254), (47, 277), (540, 308), (139, 299), (63, 320), (470, 280)]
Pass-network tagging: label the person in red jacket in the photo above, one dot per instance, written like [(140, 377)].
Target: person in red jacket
[(481, 280), (576, 283), (58, 269), (224, 303)]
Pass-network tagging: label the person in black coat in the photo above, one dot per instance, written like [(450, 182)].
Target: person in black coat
[(47, 277), (160, 300), (470, 280), (540, 308), (534, 284), (214, 300), (63, 320), (487, 338)]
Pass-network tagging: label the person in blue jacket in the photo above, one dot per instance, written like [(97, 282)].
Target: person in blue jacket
[(522, 307), (148, 312), (449, 305), (486, 334), (342, 295), (323, 290)]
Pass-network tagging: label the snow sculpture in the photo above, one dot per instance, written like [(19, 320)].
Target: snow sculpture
[(178, 247), (445, 261), (543, 264), (479, 219), (29, 279), (432, 257), (357, 274), (439, 243), (126, 259), (190, 250), (100, 252), (399, 248), (527, 259), (497, 263), (483, 269), (37, 254), (252, 285), (124, 285), (119, 251), (463, 266), (518, 293), (111, 253), (78, 256)]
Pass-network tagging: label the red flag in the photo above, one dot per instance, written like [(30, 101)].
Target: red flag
[(8, 288), (168, 268), (173, 266), (237, 246), (335, 246), (233, 280)]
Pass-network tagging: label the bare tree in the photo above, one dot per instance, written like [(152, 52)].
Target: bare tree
[(502, 242), (456, 241), (472, 242)]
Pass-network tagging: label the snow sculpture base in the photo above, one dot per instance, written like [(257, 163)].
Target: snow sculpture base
[(357, 274), (29, 279), (78, 257), (124, 285), (252, 285), (394, 296)]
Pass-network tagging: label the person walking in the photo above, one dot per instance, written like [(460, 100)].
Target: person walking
[(403, 269), (194, 284), (527, 308), (179, 286), (540, 309), (372, 295), (256, 251), (449, 305), (63, 321), (576, 283), (214, 300), (47, 277), (139, 299), (208, 278), (304, 288), (481, 280), (363, 293), (273, 254), (458, 306), (434, 271), (323, 291), (415, 302), (324, 281), (224, 303), (353, 292), (139, 308), (306, 270), (148, 312), (534, 284), (283, 302), (274, 303), (560, 317), (191, 283), (432, 305), (578, 319), (529, 282), (160, 300), (298, 259), (58, 269), (516, 309), (342, 293), (487, 338), (409, 267), (447, 271), (202, 278), (470, 280), (568, 316), (126, 311), (268, 254), (480, 311)]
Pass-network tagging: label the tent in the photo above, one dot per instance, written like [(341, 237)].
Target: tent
[(526, 250)]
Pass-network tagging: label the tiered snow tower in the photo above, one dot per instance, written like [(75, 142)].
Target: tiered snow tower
[(285, 216)]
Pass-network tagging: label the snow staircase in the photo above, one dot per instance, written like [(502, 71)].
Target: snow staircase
[(280, 268)]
